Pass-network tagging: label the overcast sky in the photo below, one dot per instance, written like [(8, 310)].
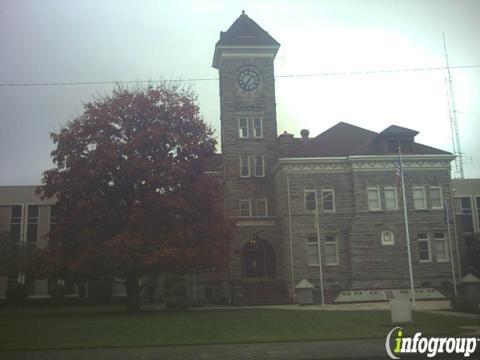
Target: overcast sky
[(75, 41)]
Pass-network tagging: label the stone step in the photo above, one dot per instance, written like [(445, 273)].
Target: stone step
[(260, 292)]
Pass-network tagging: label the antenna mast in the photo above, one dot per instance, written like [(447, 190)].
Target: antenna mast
[(457, 147)]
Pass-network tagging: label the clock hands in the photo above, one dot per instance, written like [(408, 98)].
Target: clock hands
[(248, 80)]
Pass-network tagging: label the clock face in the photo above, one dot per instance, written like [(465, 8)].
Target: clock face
[(248, 79)]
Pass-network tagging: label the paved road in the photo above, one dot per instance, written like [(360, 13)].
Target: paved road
[(349, 349), (371, 349)]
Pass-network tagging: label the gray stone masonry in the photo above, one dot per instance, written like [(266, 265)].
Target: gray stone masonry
[(364, 263)]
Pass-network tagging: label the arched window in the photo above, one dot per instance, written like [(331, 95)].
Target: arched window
[(388, 238)]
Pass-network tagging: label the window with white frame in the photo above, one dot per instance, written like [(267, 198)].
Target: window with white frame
[(243, 128), (373, 195), (259, 165), (463, 205), (391, 200), (328, 200), (331, 250), (419, 201), (261, 207), (423, 248), (310, 200), (32, 223), (441, 252), (312, 250), (244, 207), (16, 223), (436, 198), (388, 238), (244, 166), (257, 128)]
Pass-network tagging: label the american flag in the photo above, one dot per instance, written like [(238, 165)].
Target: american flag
[(398, 174)]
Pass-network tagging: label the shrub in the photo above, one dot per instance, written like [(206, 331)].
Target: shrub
[(57, 290), (16, 293), (100, 292), (176, 293)]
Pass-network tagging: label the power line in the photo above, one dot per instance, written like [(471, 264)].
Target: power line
[(340, 73)]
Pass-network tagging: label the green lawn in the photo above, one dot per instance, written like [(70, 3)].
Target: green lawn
[(48, 327)]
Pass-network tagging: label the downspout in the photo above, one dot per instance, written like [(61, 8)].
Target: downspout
[(290, 239)]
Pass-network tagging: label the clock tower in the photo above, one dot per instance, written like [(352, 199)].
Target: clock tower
[(244, 57)]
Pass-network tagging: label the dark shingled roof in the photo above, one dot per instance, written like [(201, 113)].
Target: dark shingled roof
[(398, 130), (345, 139), (245, 31), (340, 140)]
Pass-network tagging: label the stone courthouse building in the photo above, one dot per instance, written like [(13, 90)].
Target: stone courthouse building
[(275, 185), (278, 187)]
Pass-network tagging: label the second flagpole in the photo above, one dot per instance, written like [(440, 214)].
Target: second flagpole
[(407, 231)]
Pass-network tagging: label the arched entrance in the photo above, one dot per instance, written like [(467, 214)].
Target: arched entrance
[(258, 259)]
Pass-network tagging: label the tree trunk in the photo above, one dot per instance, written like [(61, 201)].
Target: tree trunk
[(133, 294)]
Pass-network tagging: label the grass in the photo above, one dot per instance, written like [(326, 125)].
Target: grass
[(48, 327)]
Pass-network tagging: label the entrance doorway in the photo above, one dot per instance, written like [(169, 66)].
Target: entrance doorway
[(258, 259)]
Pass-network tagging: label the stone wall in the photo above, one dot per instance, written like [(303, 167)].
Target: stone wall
[(364, 262)]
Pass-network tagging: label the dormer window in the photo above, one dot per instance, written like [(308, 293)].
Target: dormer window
[(392, 146), (395, 137), (406, 146)]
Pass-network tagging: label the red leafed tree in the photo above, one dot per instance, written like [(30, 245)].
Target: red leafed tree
[(133, 194)]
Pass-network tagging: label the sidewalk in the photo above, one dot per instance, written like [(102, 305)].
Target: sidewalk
[(424, 305)]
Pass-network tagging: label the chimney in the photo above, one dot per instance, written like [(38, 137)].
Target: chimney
[(285, 143)]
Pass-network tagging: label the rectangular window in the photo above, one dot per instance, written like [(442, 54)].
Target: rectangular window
[(245, 208), (13, 277), (259, 166), (257, 127), (423, 248), (243, 128), (391, 202), (53, 216), (373, 194), (463, 205), (436, 198), (16, 223), (310, 200), (407, 146), (419, 201), (261, 207), (328, 200), (244, 166), (392, 146), (441, 252), (32, 223), (331, 250), (312, 251)]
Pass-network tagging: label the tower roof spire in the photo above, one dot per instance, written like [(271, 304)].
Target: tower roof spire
[(244, 33)]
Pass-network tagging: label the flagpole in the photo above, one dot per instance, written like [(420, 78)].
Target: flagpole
[(447, 219), (407, 231), (317, 226)]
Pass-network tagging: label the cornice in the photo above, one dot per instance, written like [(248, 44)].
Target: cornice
[(362, 163)]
